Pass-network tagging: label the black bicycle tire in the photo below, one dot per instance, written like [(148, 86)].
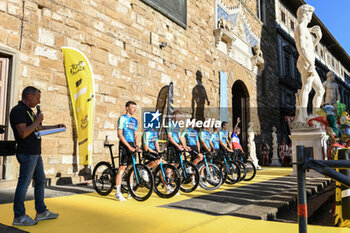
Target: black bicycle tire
[(223, 171), (111, 174), (242, 168), (221, 177), (177, 182), (254, 172), (196, 177), (150, 176), (234, 167)]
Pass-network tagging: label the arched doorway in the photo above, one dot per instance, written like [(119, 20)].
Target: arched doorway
[(240, 108)]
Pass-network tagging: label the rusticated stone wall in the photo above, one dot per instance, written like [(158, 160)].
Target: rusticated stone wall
[(121, 39)]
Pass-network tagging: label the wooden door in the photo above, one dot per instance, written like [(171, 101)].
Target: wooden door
[(4, 63)]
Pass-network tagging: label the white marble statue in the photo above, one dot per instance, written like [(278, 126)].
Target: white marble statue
[(306, 39), (332, 90), (275, 160), (251, 146), (258, 62), (257, 51)]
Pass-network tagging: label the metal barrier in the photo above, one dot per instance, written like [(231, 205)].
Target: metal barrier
[(304, 162)]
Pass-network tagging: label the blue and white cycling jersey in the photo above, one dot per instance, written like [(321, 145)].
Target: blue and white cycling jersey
[(129, 126), (149, 138), (223, 135), (191, 136), (215, 139), (174, 130), (205, 136)]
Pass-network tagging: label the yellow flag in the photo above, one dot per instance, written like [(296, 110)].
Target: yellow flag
[(81, 87)]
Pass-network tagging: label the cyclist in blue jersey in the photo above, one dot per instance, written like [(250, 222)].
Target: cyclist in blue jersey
[(224, 141), (204, 138), (215, 140), (150, 147), (127, 127), (192, 142), (175, 144)]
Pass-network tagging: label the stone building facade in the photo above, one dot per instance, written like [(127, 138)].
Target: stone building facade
[(121, 39)]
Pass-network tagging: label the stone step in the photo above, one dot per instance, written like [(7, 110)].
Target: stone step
[(263, 200)]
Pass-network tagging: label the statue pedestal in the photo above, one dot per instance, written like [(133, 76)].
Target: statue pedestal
[(275, 162), (308, 137)]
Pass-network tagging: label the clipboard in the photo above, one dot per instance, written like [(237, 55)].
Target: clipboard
[(49, 131)]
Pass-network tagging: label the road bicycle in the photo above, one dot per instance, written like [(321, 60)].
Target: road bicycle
[(104, 173), (248, 169), (137, 178), (210, 175), (188, 172), (230, 170), (167, 179)]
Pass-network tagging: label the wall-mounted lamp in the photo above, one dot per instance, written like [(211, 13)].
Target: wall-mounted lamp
[(163, 44)]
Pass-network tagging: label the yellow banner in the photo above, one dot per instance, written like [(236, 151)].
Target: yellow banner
[(81, 87)]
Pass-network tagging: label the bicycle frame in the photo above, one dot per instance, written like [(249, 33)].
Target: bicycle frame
[(206, 165), (182, 164), (162, 170), (224, 155), (137, 172), (111, 154)]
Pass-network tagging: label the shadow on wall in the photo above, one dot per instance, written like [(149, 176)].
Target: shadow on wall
[(160, 106), (199, 96), (268, 93)]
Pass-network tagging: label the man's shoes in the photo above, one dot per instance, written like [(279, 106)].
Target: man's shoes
[(120, 197), (171, 190), (24, 220), (45, 215), (129, 196)]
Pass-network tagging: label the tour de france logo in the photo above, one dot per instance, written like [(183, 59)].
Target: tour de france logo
[(76, 68), (84, 122), (151, 120)]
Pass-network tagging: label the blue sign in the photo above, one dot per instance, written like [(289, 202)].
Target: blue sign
[(151, 120), (223, 97)]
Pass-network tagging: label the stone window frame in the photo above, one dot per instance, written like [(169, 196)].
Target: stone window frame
[(261, 10), (292, 24), (161, 8), (287, 52), (283, 16)]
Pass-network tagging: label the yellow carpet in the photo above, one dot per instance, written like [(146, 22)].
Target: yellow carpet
[(93, 213)]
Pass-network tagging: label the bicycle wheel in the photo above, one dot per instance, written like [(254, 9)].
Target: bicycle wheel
[(223, 171), (168, 186), (211, 178), (103, 178), (242, 168), (189, 177), (233, 173), (140, 185), (251, 171)]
